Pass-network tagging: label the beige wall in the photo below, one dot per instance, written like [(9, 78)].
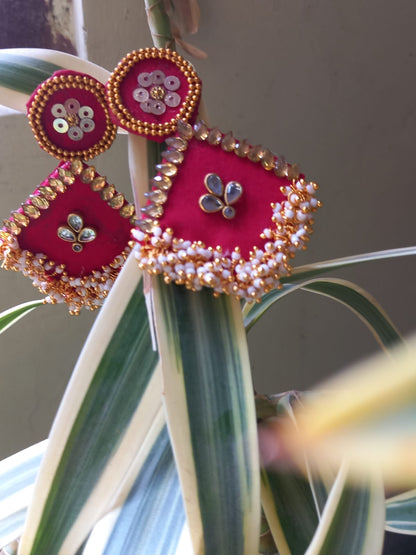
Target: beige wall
[(330, 85)]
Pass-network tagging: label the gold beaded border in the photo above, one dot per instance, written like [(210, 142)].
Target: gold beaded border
[(195, 265), (45, 91), (122, 113), (90, 290)]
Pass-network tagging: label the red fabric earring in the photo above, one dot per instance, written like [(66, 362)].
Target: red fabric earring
[(70, 236), (150, 90), (224, 214)]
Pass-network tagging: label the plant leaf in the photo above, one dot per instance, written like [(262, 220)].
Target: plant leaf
[(318, 268), (17, 476), (292, 500), (151, 516), (108, 407), (401, 513), (353, 519), (211, 416), (367, 413), (12, 315), (345, 292)]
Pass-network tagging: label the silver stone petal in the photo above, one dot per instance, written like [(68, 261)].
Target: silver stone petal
[(214, 184), (233, 192), (76, 222), (87, 234), (210, 203), (66, 234)]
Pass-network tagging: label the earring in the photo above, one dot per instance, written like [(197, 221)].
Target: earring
[(71, 235)]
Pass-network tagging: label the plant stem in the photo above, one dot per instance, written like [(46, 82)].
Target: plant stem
[(159, 23)]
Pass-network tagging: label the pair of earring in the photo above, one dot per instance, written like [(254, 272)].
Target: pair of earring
[(220, 213)]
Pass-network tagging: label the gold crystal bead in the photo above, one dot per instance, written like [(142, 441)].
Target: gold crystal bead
[(145, 225), (242, 149), (185, 130), (117, 201), (31, 211), (167, 169), (268, 160), (280, 167), (108, 192), (127, 211), (39, 202), (76, 166), (57, 185), (48, 192), (153, 210), (157, 196), (87, 175), (98, 183), (20, 218), (292, 171), (161, 182), (256, 153), (201, 130), (228, 142), (66, 176), (177, 142), (12, 227), (173, 156), (214, 136)]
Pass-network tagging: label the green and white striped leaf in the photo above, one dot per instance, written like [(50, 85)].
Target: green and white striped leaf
[(367, 413), (24, 69), (293, 500), (353, 518), (17, 477), (150, 516), (319, 268), (345, 292), (12, 315), (110, 403), (401, 513), (211, 416)]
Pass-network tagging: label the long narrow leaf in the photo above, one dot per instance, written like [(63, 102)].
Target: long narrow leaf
[(211, 416), (152, 517), (318, 268), (353, 519), (367, 413), (345, 292), (12, 315), (401, 513), (292, 500), (17, 477), (108, 407)]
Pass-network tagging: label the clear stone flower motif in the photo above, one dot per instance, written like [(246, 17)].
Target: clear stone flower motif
[(76, 233), (73, 119), (220, 197), (156, 91)]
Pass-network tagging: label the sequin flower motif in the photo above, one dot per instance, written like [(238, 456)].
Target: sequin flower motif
[(150, 90), (69, 116), (156, 91), (73, 119)]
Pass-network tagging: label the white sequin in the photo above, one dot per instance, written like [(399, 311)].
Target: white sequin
[(157, 77), (72, 105), (144, 79), (172, 83), (58, 110), (172, 99)]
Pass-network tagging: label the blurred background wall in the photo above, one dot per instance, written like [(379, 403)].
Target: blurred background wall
[(331, 85)]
